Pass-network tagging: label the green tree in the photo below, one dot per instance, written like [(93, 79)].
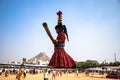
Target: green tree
[(24, 60), (88, 64), (114, 63), (92, 63)]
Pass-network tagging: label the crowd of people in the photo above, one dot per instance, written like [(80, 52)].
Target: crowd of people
[(21, 72), (15, 71), (52, 74)]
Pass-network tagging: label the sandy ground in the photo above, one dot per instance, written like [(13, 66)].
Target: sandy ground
[(71, 76)]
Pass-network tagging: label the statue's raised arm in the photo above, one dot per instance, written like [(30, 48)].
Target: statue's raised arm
[(48, 31)]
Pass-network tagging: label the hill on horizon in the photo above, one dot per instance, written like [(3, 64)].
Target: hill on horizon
[(41, 57)]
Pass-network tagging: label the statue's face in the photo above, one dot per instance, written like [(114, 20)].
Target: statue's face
[(58, 30)]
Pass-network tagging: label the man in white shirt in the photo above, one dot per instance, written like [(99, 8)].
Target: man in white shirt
[(46, 75)]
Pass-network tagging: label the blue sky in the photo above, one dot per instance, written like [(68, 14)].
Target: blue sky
[(93, 28)]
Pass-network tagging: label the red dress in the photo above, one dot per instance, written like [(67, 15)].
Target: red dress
[(60, 58)]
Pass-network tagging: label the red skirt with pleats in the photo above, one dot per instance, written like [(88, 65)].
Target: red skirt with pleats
[(61, 59)]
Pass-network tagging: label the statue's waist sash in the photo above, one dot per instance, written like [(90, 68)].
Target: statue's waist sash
[(60, 45)]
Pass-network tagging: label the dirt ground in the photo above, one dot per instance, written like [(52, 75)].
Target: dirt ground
[(70, 76)]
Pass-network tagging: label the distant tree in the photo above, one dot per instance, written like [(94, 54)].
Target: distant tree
[(24, 60), (114, 63), (117, 63), (88, 64), (104, 64), (81, 65), (92, 63)]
